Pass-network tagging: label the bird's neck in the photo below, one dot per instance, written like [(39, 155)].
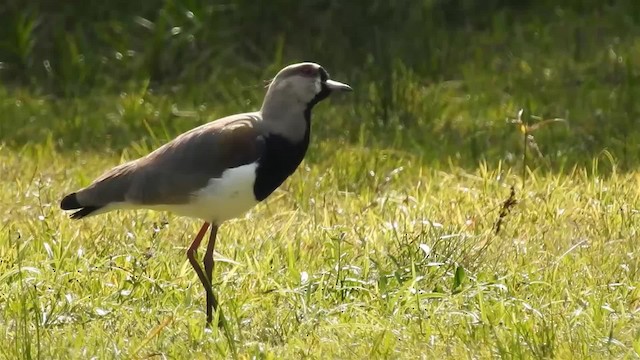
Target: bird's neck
[(287, 118), (286, 144)]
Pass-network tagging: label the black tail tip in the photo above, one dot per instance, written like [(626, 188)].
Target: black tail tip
[(70, 202)]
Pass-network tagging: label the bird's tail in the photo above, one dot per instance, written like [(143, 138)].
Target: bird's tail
[(70, 202)]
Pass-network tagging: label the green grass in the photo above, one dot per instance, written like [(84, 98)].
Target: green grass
[(384, 243), (363, 253)]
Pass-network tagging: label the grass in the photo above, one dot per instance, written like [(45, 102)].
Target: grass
[(385, 243), (358, 255)]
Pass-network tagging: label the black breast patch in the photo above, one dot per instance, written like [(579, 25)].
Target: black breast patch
[(280, 159)]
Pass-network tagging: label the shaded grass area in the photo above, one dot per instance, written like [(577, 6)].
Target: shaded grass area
[(441, 81), (398, 261)]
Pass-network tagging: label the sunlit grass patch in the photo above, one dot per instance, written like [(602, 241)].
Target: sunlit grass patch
[(355, 256)]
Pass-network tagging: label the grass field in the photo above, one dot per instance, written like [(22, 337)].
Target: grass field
[(363, 253), (425, 222)]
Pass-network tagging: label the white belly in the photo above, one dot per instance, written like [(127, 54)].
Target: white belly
[(222, 199)]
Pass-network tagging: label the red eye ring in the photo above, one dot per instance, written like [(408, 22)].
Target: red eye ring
[(308, 71)]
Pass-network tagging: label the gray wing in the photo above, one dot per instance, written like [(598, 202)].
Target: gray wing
[(170, 174)]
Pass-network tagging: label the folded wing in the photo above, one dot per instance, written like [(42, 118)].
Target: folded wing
[(173, 172)]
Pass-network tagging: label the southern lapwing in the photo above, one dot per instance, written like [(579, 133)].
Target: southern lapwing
[(218, 170)]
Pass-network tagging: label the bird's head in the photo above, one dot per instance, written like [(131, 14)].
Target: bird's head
[(306, 83)]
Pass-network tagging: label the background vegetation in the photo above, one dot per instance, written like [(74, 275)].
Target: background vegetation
[(450, 71), (385, 243)]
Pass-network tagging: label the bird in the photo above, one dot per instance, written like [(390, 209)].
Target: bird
[(219, 170)]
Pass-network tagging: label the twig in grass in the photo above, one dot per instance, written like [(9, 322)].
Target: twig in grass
[(529, 141), (506, 208)]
